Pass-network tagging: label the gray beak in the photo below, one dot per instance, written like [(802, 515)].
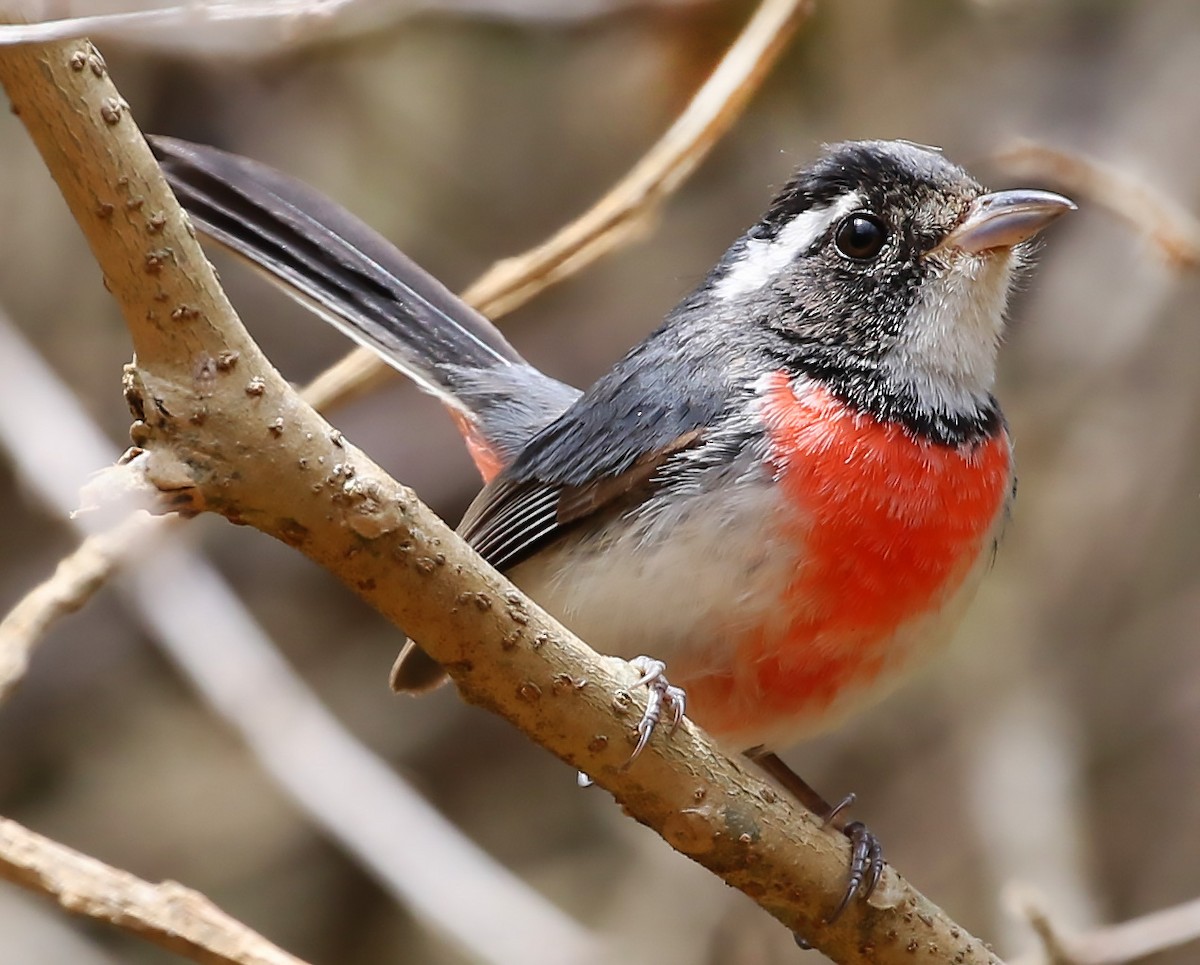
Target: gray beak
[(1005, 219)]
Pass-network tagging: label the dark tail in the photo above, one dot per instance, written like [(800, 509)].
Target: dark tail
[(356, 280)]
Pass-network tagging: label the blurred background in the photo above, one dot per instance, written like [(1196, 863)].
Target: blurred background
[(1056, 747)]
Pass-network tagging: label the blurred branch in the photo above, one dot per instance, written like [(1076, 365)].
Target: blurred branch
[(75, 580), (415, 854), (259, 28), (168, 914), (223, 431), (1029, 740), (55, 466), (1173, 230), (1127, 942), (628, 206), (248, 27)]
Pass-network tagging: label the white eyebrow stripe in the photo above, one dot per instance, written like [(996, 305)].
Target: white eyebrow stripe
[(760, 261)]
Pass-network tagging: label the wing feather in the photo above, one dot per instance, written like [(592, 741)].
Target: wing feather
[(510, 519)]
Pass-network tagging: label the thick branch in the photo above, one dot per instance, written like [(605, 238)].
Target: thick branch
[(223, 431)]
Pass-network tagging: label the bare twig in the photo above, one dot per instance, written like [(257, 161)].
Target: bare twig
[(1171, 228), (264, 458), (75, 580), (257, 28), (624, 210), (247, 26), (167, 914), (1127, 942)]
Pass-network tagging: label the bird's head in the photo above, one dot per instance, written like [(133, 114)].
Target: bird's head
[(884, 270)]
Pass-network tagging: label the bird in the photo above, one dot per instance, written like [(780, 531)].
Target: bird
[(788, 492)]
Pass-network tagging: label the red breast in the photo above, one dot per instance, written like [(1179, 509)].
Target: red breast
[(890, 524)]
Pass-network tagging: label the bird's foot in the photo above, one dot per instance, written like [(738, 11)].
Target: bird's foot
[(866, 853), (866, 865), (664, 698)]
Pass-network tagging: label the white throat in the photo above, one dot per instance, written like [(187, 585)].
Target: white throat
[(947, 352)]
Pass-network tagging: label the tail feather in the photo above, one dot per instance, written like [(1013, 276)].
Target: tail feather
[(356, 280)]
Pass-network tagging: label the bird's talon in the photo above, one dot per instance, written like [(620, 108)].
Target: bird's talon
[(645, 728), (839, 809), (662, 695), (841, 906), (874, 868), (866, 854), (677, 698), (866, 865)]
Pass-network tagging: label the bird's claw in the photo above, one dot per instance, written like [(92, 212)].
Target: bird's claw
[(663, 697), (866, 854), (838, 810), (866, 863)]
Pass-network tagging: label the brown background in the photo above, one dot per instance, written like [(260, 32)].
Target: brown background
[(1058, 744)]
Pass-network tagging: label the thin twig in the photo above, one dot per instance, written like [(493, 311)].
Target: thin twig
[(1128, 942), (56, 467), (168, 914), (1170, 227), (75, 581), (626, 208), (261, 28)]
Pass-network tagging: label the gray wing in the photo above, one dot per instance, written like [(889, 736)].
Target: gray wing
[(510, 520)]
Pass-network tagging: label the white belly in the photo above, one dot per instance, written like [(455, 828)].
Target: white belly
[(677, 575)]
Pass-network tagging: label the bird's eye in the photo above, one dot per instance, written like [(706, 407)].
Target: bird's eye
[(860, 236)]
